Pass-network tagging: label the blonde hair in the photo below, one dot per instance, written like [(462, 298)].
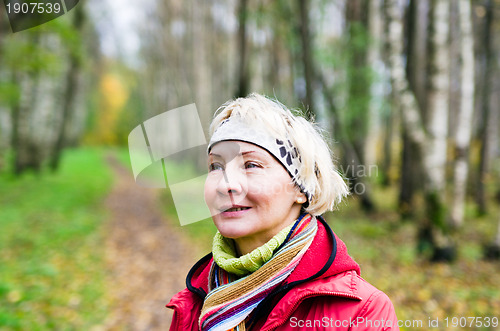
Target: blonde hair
[(317, 172)]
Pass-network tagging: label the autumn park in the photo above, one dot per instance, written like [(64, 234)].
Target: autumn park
[(407, 91)]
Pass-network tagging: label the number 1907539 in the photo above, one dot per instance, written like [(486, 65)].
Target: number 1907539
[(467, 322), (34, 8)]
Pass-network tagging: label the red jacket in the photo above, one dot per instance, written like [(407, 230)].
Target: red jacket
[(324, 292)]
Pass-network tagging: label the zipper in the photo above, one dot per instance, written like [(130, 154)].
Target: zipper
[(308, 295)]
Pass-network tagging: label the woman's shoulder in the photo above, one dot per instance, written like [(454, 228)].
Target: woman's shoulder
[(351, 293), (347, 285), (342, 298)]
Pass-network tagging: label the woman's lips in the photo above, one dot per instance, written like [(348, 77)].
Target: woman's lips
[(235, 211)]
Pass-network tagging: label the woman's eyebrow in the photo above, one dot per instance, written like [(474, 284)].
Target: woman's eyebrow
[(242, 153)]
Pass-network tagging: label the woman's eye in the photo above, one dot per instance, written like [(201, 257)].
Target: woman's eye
[(215, 166), (251, 165)]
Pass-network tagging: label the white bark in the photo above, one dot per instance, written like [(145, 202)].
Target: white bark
[(375, 27), (407, 102), (464, 121), (437, 104), (5, 133), (201, 63), (420, 53), (430, 138), (5, 122)]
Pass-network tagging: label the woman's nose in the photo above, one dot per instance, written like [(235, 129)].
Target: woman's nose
[(232, 181)]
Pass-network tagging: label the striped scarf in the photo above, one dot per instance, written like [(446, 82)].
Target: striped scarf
[(231, 300)]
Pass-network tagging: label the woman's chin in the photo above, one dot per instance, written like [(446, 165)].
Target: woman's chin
[(233, 230), (233, 233)]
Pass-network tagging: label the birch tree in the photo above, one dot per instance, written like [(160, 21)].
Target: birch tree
[(492, 251), (416, 69), (39, 72), (356, 121), (71, 89), (374, 59), (486, 128), (306, 53), (5, 95), (243, 69), (465, 112), (429, 135)]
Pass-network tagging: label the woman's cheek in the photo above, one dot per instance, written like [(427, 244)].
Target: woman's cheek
[(209, 192)]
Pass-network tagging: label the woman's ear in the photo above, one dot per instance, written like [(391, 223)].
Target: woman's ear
[(301, 198)]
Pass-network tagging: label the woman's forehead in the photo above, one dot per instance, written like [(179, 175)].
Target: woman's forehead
[(232, 148)]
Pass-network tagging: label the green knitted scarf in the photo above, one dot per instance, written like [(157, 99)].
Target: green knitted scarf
[(224, 253)]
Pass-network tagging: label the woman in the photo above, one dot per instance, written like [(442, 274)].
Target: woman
[(275, 263)]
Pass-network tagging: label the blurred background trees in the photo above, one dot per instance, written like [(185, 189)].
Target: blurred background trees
[(406, 89), (409, 88)]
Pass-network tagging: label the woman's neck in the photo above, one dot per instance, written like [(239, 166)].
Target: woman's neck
[(245, 245)]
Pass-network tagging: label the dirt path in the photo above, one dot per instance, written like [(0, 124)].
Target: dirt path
[(147, 257)]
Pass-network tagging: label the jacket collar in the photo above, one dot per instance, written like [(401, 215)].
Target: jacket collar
[(327, 256)]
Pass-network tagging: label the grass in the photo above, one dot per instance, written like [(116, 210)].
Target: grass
[(51, 264)]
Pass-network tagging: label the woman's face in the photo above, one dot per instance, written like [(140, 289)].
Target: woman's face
[(249, 193)]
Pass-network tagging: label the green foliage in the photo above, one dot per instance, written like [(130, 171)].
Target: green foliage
[(116, 106), (9, 93), (40, 48), (52, 271), (436, 210), (343, 60), (131, 116)]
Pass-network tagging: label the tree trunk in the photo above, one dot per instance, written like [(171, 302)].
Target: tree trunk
[(374, 59), (243, 73), (351, 165), (201, 63), (486, 124), (407, 102), (356, 117), (5, 129), (409, 183), (492, 251), (437, 98), (411, 165), (464, 118), (5, 124), (430, 138), (389, 124), (307, 61), (26, 150), (437, 128), (4, 28), (71, 90)]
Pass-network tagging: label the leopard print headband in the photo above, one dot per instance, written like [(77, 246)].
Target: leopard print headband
[(235, 128)]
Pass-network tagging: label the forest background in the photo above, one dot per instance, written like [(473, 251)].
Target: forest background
[(407, 90)]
